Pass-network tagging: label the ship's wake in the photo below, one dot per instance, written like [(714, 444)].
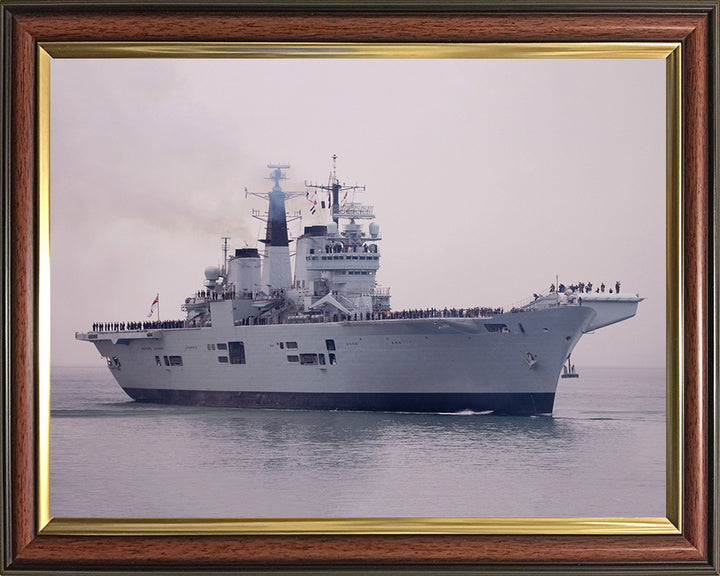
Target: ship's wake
[(467, 413)]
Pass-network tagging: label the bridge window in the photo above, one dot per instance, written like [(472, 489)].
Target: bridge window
[(291, 344), (223, 359), (176, 361), (222, 346), (496, 327), (330, 344), (292, 358)]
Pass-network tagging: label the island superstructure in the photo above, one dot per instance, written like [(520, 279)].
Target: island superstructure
[(324, 336)]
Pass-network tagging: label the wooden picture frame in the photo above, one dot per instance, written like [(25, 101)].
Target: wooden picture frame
[(29, 547)]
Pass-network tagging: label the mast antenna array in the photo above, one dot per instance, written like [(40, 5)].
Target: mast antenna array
[(333, 188), (277, 174)]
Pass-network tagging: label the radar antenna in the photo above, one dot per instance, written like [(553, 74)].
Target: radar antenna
[(277, 174), (334, 188)]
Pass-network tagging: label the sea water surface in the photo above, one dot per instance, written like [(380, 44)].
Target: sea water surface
[(601, 453)]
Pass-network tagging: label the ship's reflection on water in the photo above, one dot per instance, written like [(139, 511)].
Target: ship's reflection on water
[(364, 439), (602, 453), (383, 464)]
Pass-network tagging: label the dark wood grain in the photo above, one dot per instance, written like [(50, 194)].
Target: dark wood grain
[(696, 196), (22, 288), (219, 552), (688, 551), (359, 28)]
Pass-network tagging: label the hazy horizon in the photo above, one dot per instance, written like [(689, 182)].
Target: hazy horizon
[(488, 177)]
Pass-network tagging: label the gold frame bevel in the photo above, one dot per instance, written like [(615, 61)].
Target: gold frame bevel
[(671, 524)]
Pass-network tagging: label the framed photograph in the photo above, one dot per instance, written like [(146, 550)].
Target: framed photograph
[(497, 144)]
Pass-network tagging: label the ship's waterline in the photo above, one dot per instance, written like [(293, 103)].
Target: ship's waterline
[(327, 338), (435, 402)]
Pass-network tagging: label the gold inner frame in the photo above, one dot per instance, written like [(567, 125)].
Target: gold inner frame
[(671, 524)]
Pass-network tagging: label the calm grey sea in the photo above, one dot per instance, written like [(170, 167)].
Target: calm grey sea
[(602, 453)]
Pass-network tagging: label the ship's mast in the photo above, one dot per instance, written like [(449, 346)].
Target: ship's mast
[(225, 253), (334, 188)]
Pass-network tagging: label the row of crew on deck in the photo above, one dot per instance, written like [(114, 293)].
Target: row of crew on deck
[(412, 314), (227, 294), (584, 288), (477, 312), (415, 313), (123, 326), (339, 248)]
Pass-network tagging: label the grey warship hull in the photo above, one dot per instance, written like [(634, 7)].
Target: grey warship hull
[(509, 363)]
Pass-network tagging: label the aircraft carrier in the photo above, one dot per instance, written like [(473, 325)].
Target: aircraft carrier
[(324, 336)]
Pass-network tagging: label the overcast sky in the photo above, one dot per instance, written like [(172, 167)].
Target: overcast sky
[(488, 177)]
